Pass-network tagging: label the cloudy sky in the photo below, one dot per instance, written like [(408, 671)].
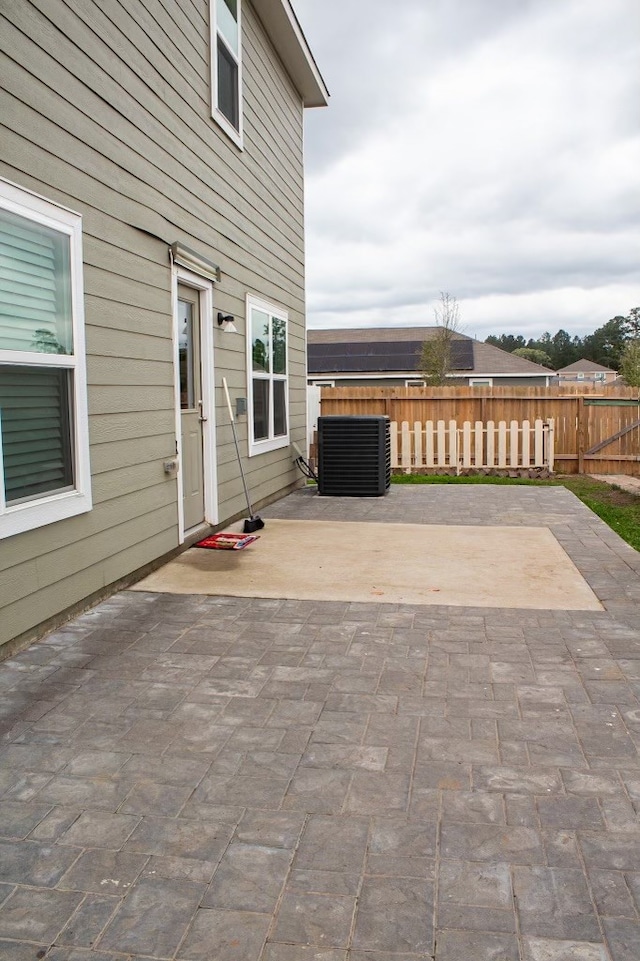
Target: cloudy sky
[(486, 148)]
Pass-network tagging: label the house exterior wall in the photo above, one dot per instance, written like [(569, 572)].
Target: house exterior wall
[(514, 381), (105, 109), (588, 377), (391, 381)]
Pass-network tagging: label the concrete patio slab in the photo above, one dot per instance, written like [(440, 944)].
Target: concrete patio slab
[(191, 776), (508, 567)]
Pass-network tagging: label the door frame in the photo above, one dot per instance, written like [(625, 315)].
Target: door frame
[(204, 287)]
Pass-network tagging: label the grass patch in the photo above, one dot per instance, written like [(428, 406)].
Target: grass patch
[(617, 508), (462, 479)]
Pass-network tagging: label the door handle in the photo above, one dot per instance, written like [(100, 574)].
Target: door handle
[(201, 416)]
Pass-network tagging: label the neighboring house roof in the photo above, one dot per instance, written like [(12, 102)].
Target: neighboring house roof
[(290, 42), (397, 350), (490, 359), (584, 365)]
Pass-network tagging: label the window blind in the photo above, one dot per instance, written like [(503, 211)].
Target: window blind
[(35, 431), (35, 308)]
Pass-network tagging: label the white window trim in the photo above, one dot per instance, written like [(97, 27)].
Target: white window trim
[(236, 135), (272, 443), (323, 383), (50, 508), (481, 382), (415, 382)]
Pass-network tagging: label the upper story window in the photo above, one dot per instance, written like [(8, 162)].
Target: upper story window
[(44, 442), (226, 66), (268, 377)]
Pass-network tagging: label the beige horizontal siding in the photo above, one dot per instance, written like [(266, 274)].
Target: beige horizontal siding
[(105, 108), (20, 616)]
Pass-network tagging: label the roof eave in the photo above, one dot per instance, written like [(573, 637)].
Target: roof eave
[(286, 34)]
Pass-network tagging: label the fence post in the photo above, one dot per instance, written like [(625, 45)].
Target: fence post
[(479, 445), (393, 431), (491, 443), (514, 432), (538, 444), (442, 440), (550, 444), (406, 448), (453, 445), (526, 444), (417, 443), (428, 445), (582, 433), (466, 444), (502, 443)]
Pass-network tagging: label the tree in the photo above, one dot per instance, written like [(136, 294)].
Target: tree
[(44, 341), (507, 342), (563, 350), (534, 355), (606, 344), (633, 321), (630, 363), (435, 355)]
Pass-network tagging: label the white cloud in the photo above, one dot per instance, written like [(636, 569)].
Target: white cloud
[(487, 149)]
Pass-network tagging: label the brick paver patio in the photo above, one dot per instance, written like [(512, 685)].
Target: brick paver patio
[(215, 778)]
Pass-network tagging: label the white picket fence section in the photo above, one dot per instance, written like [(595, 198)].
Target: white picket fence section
[(515, 446)]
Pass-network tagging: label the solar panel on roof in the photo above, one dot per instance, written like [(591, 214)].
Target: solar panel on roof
[(372, 356)]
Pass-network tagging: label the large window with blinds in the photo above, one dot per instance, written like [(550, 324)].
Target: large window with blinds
[(268, 377), (226, 66), (44, 457)]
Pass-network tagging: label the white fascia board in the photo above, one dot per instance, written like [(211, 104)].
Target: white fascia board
[(337, 375), (413, 375), (286, 34), (514, 374)]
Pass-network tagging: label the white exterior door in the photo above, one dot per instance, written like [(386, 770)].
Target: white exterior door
[(194, 360), (192, 415)]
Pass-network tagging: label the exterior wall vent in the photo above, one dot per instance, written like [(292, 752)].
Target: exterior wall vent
[(354, 456)]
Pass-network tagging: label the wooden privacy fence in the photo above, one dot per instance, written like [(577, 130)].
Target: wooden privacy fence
[(593, 433), (476, 446)]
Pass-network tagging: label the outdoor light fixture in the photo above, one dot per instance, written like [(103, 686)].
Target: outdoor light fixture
[(226, 321)]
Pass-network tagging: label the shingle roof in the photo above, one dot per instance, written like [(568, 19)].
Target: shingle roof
[(359, 335), (584, 365), (492, 360), (397, 349)]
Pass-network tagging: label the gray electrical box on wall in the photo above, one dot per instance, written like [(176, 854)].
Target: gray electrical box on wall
[(241, 406)]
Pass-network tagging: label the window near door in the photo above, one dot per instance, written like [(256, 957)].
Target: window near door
[(44, 445), (226, 66), (268, 382)]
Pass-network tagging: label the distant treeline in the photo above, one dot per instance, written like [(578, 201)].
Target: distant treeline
[(604, 346)]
